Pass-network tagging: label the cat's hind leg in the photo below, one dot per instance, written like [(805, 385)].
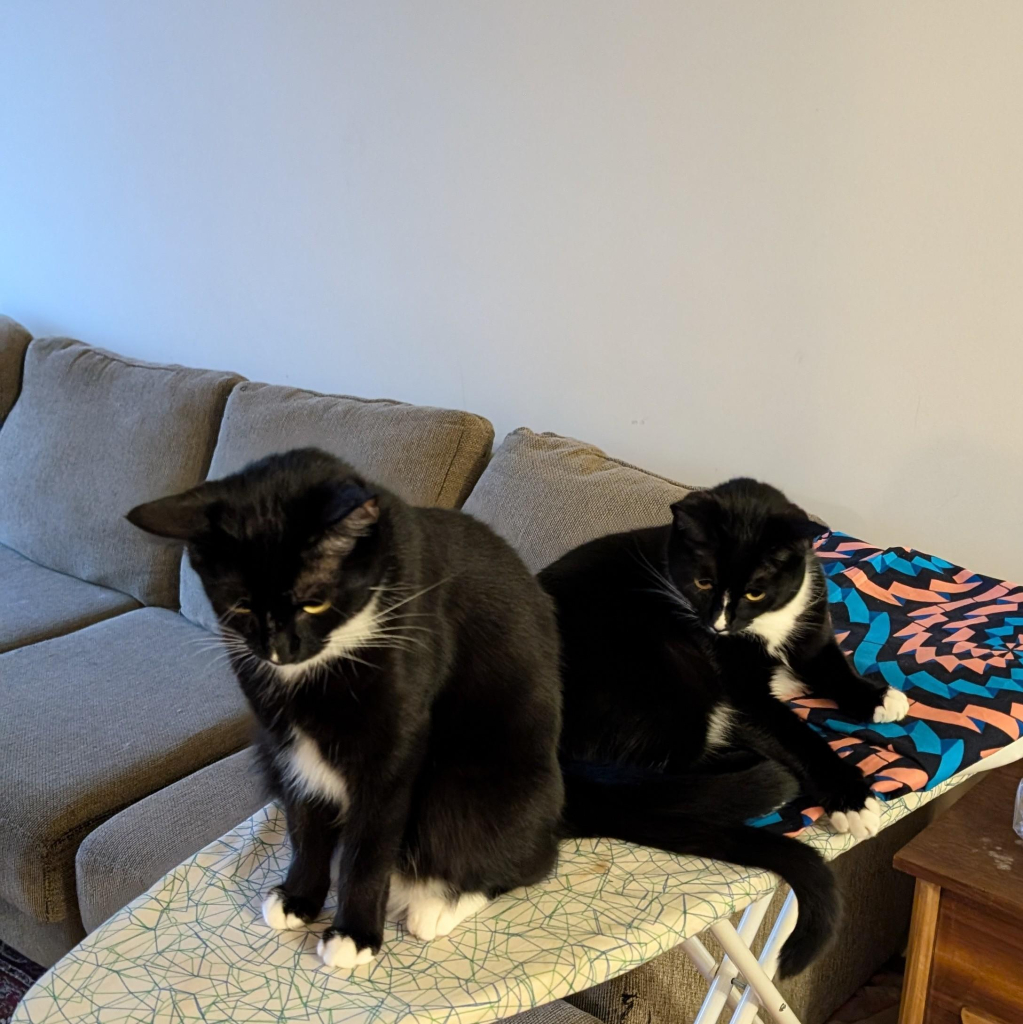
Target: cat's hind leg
[(434, 910)]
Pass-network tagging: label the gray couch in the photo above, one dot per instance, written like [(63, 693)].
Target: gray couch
[(124, 737)]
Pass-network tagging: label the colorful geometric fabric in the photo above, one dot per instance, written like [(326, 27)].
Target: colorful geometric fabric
[(950, 639)]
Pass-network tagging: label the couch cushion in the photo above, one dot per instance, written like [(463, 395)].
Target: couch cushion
[(91, 436), (428, 456), (546, 494), (92, 722), (14, 340), (38, 603), (137, 847), (44, 942)]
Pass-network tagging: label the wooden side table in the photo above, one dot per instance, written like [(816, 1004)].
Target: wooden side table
[(965, 962)]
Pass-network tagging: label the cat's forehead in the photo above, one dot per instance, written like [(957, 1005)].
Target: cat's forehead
[(255, 517), (746, 548), (318, 569)]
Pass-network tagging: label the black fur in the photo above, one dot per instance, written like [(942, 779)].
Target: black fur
[(444, 726), (645, 674), (747, 537)]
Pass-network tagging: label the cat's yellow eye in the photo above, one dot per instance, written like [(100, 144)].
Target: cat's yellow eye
[(315, 609), (241, 609), (703, 584), (755, 595)]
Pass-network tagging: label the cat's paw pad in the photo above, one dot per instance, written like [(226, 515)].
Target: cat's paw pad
[(861, 824), (337, 950), (275, 914), (893, 708)]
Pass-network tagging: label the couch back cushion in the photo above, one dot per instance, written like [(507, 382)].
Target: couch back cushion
[(14, 340), (92, 435), (427, 456), (546, 494)]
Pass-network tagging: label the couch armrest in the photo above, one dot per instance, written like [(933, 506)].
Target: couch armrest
[(130, 851)]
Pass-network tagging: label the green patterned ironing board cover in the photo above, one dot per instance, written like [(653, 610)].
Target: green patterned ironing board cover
[(194, 948)]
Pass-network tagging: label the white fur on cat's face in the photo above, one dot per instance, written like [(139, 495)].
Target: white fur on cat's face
[(779, 626), (358, 631), (738, 552)]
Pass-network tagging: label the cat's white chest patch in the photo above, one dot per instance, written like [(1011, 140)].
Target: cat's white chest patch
[(776, 627), (308, 772)]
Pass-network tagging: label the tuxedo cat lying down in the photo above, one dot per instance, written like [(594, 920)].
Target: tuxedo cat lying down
[(679, 645), (402, 665)]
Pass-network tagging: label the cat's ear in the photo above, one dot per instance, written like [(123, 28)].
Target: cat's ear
[(687, 517), (349, 506), (180, 516), (797, 525)]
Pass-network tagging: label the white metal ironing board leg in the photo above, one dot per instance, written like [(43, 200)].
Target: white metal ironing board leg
[(739, 960)]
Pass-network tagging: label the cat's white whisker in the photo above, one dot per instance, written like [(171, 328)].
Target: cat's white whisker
[(418, 593)]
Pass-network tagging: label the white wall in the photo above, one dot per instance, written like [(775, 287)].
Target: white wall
[(715, 237)]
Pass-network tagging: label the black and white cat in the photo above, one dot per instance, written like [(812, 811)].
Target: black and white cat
[(679, 644), (742, 558), (402, 665)]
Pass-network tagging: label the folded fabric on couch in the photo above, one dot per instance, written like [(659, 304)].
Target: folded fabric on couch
[(949, 638)]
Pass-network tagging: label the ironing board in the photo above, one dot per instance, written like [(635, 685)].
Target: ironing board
[(195, 948)]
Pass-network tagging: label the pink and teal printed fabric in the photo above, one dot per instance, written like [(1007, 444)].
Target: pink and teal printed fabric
[(949, 638)]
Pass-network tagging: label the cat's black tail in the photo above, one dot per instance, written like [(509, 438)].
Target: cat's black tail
[(692, 824)]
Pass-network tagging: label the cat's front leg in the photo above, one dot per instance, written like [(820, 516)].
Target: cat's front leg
[(840, 787), (369, 850), (827, 673), (313, 830), (849, 801)]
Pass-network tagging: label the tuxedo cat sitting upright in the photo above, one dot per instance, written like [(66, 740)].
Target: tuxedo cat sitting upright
[(402, 665)]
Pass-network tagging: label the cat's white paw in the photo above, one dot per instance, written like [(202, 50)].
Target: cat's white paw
[(340, 951), (275, 916), (893, 708), (861, 824), (432, 914)]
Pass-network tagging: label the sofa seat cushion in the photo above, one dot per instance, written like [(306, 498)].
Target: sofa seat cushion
[(37, 603), (546, 494), (93, 721), (428, 456), (135, 848), (14, 340), (91, 436)]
